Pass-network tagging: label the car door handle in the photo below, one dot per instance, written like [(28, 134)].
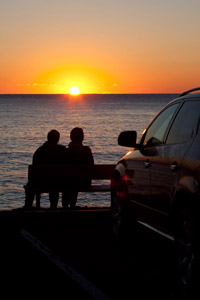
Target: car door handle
[(147, 164), (174, 167)]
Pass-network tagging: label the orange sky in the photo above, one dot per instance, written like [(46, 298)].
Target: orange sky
[(107, 46)]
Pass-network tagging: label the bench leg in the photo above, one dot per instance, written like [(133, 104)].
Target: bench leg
[(29, 197), (38, 200), (53, 197), (69, 197), (73, 198)]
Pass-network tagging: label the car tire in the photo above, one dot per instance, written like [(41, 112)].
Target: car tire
[(187, 248)]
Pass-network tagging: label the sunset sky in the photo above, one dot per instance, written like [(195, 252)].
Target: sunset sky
[(107, 46)]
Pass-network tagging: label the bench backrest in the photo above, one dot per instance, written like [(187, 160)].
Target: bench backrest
[(64, 175)]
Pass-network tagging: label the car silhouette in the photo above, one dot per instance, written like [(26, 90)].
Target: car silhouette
[(157, 183)]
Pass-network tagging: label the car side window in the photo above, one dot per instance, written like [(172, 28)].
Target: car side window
[(156, 131), (185, 124)]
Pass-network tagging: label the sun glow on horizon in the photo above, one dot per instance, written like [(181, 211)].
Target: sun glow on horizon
[(74, 91)]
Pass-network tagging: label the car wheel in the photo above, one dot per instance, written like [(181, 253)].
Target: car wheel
[(186, 244), (119, 204)]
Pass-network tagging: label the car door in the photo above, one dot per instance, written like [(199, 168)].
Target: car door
[(138, 174), (139, 161), (166, 163)]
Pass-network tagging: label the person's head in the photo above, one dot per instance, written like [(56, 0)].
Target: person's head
[(77, 135), (53, 136)]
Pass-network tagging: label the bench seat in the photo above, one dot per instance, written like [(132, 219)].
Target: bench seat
[(60, 178)]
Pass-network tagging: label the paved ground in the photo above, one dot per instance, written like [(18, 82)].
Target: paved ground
[(76, 255)]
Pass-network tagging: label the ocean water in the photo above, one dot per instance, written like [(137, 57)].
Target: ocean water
[(26, 120)]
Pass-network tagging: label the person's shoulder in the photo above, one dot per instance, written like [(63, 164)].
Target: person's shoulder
[(39, 154), (39, 149), (87, 148), (61, 147), (87, 151)]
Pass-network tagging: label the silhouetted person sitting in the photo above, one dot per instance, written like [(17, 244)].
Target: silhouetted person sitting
[(77, 153), (51, 153)]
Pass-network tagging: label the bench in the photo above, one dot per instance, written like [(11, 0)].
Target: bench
[(60, 178)]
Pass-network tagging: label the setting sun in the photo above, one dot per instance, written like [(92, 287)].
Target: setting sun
[(74, 90)]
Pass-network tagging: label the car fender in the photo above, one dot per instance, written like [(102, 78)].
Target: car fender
[(187, 183), (119, 174), (121, 168)]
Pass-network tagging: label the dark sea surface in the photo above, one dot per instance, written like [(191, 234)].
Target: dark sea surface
[(26, 120)]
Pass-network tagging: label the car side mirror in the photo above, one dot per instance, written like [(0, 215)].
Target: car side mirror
[(128, 139)]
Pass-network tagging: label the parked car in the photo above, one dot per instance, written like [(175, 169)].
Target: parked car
[(158, 181)]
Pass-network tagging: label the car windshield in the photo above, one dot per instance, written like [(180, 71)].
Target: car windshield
[(156, 131)]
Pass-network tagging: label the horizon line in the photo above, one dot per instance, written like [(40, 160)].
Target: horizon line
[(64, 94)]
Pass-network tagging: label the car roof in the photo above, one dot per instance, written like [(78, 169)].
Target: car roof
[(189, 91), (188, 95)]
